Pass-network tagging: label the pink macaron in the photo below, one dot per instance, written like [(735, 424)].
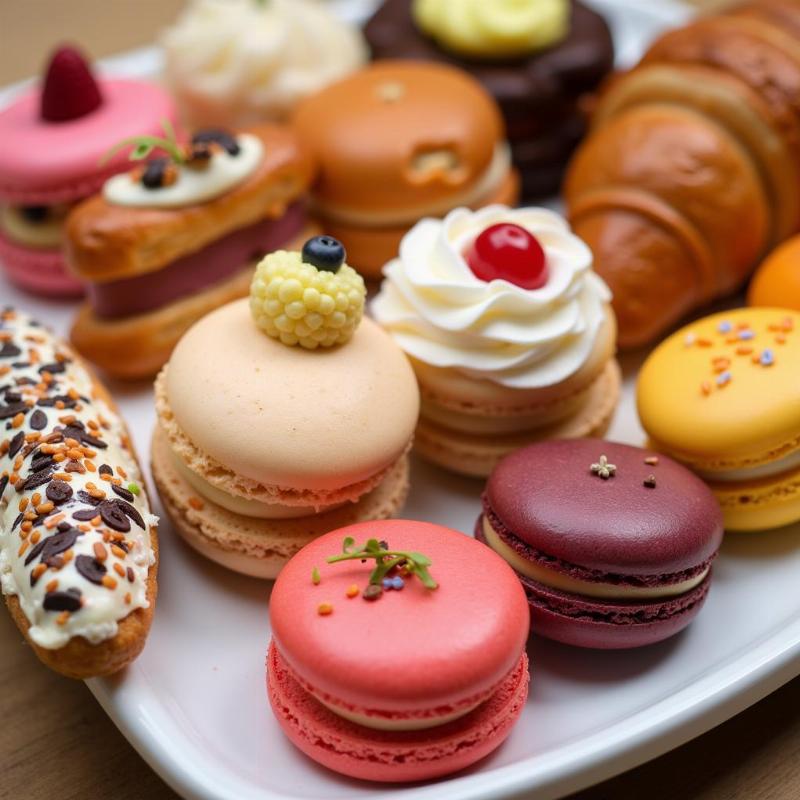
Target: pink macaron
[(54, 139), (612, 544), (399, 677)]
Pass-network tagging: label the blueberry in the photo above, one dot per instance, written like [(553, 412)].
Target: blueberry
[(325, 253), (387, 584), (153, 175)]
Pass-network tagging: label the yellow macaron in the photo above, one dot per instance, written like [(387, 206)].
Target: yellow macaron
[(722, 395)]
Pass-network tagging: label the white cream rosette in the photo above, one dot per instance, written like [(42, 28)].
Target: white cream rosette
[(441, 314), (241, 61)]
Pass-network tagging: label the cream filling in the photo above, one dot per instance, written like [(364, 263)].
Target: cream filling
[(792, 461), (403, 724), (565, 583), (241, 505), (486, 185), (193, 186), (44, 235)]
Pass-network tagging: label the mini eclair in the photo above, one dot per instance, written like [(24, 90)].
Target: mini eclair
[(78, 546)]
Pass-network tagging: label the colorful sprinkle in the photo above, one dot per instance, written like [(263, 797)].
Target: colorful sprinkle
[(720, 363), (397, 583), (372, 592), (746, 335), (767, 358), (690, 339), (651, 460), (744, 351), (725, 326), (604, 469), (724, 379), (705, 342), (352, 590), (133, 488), (324, 609), (780, 339), (387, 584), (315, 576), (650, 481)]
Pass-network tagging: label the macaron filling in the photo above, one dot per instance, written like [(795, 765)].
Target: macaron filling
[(769, 470), (485, 186), (538, 570), (39, 227), (388, 720), (212, 264)]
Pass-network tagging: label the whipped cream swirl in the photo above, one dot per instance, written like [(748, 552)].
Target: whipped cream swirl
[(441, 314), (235, 62)]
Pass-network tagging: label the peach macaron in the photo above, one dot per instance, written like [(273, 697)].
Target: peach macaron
[(398, 651), (267, 438)]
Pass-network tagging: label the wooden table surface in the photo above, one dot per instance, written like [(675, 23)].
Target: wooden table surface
[(55, 741)]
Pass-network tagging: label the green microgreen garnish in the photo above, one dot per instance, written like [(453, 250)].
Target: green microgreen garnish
[(133, 488), (386, 560), (315, 576), (143, 146)]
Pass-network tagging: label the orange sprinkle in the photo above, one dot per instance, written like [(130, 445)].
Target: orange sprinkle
[(35, 536), (27, 526), (62, 618), (59, 457), (36, 498), (95, 521), (52, 586), (196, 503), (17, 463), (118, 551), (109, 582), (45, 508), (18, 420), (122, 473), (704, 342), (744, 350), (88, 452), (38, 571), (127, 598), (90, 465), (780, 339), (324, 609), (75, 453), (23, 504), (104, 476), (63, 476), (705, 388), (51, 522), (118, 568), (68, 556), (22, 548), (352, 590), (100, 552)]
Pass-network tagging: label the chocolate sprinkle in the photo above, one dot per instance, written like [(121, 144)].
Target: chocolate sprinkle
[(123, 493), (58, 491), (105, 469), (16, 522), (63, 601), (128, 509), (16, 444), (223, 138), (64, 526), (74, 432), (38, 420), (84, 514), (12, 397), (54, 369), (3, 484), (11, 410), (130, 575), (36, 479), (114, 516), (9, 350), (90, 568), (41, 461), (53, 545), (87, 498)]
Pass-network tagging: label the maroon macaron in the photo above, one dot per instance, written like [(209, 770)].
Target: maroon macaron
[(613, 544)]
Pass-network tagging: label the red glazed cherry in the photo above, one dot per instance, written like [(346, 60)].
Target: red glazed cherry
[(508, 252), (70, 91)]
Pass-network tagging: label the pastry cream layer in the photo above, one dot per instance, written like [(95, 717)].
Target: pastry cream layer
[(790, 462), (44, 235), (565, 583)]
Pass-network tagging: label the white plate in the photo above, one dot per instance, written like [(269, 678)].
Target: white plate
[(194, 704)]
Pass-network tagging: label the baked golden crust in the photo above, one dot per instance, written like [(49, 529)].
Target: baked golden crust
[(79, 658), (137, 347), (106, 242), (398, 135)]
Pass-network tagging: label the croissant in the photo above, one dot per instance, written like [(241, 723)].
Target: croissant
[(692, 169)]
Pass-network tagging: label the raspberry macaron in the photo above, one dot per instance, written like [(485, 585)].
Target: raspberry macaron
[(612, 544), (54, 139), (398, 651), (285, 417)]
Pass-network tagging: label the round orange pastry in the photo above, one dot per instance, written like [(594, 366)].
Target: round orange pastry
[(416, 140), (777, 280)]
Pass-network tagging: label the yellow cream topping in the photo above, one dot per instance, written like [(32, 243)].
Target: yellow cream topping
[(496, 28)]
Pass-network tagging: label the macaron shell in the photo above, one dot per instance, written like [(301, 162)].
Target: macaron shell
[(606, 626), (40, 271), (369, 129), (254, 546), (548, 497), (751, 420), (393, 756), (290, 417), (777, 281), (46, 162), (412, 650)]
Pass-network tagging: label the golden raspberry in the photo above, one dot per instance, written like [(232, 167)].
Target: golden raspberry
[(300, 304)]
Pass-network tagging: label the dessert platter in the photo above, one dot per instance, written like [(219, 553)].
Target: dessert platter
[(358, 474)]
